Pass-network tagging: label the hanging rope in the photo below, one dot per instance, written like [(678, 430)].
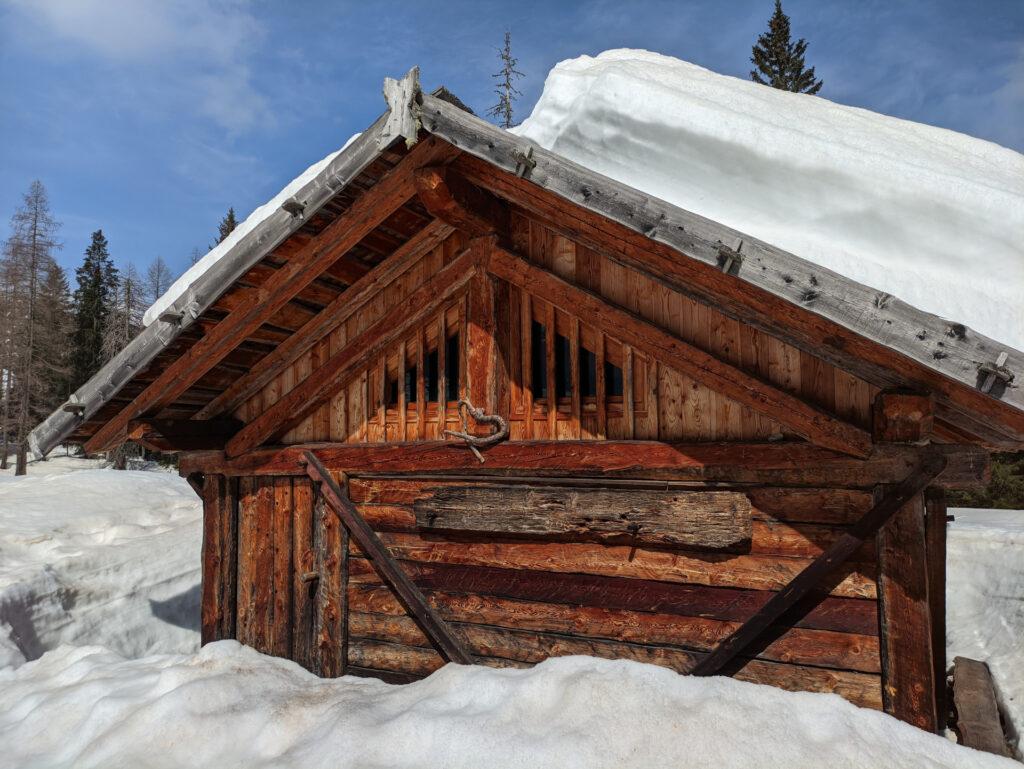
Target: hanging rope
[(477, 442)]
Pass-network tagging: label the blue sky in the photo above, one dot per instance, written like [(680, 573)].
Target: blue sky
[(148, 118)]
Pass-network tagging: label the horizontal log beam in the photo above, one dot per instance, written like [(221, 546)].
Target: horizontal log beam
[(322, 384), (777, 464), (369, 210)]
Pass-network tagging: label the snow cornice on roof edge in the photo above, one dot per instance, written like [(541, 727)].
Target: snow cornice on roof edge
[(947, 348)]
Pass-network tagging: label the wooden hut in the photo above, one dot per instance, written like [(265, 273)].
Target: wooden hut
[(461, 399)]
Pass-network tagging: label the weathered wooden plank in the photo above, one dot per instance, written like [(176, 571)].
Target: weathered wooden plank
[(845, 651), (811, 578), (860, 329), (757, 572), (368, 211), (255, 562), (331, 317), (307, 396), (816, 425), (372, 546), (305, 576), (481, 346), (330, 543), (977, 724), (775, 464), (526, 647), (714, 520), (843, 615), (281, 577), (219, 559), (908, 669)]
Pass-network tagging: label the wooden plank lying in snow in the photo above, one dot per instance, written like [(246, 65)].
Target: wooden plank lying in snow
[(974, 698)]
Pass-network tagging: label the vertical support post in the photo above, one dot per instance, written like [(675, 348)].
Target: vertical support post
[(220, 559), (935, 543), (905, 622)]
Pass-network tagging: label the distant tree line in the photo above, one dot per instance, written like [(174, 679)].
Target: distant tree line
[(52, 340)]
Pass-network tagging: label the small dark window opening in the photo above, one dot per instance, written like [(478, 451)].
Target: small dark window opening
[(392, 392), (563, 370), (451, 368), (538, 360), (410, 384), (430, 376), (612, 380), (588, 373)]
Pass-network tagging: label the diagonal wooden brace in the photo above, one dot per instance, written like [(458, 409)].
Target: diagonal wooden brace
[(412, 599), (810, 578)]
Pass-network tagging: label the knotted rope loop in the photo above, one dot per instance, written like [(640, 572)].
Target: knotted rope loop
[(477, 442)]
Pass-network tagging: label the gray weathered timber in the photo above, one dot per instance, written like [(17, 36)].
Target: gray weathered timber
[(692, 519), (402, 109), (945, 347), (977, 724), (207, 288)]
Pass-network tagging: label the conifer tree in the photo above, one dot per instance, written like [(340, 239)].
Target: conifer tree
[(506, 91), (33, 351), (97, 289), (780, 62), (227, 224), (158, 279), (127, 309)]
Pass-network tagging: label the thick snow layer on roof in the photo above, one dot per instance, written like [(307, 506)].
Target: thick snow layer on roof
[(214, 255), (929, 215), (227, 705)]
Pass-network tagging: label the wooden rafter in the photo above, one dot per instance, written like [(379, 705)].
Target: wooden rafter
[(463, 206), (811, 577), (317, 388), (815, 425), (331, 317), (182, 434), (369, 210), (412, 599)]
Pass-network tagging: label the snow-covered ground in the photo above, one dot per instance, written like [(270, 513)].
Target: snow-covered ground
[(112, 559), (985, 599), (228, 706), (903, 207), (97, 556)]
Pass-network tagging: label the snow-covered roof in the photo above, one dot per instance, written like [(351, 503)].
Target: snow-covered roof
[(926, 214)]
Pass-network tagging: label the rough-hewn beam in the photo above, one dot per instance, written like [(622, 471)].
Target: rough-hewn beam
[(812, 577), (774, 464), (323, 383), (865, 331), (815, 425), (368, 211), (329, 318), (900, 417), (436, 629), (452, 199)]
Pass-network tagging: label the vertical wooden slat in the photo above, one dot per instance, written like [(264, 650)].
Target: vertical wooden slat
[(549, 339), (421, 384), (382, 397), (575, 421), (627, 389), (602, 398), (526, 319), (481, 327), (935, 542), (908, 668), (281, 605), (327, 657), (256, 563), (304, 558), (502, 372), (401, 393), (244, 582), (461, 326), (442, 373)]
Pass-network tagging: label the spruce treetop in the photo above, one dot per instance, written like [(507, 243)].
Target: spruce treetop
[(778, 61)]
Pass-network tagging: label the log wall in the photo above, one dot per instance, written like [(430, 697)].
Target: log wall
[(302, 591), (655, 401)]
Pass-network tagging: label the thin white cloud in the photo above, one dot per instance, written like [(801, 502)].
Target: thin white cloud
[(195, 51)]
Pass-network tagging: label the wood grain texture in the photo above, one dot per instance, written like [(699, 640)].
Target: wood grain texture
[(714, 520), (219, 560), (978, 724)]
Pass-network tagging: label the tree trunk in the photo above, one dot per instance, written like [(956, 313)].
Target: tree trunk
[(21, 466)]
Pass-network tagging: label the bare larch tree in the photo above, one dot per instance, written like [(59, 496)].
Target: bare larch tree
[(506, 91)]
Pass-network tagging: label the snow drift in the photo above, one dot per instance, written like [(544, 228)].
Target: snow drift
[(228, 706), (97, 556), (985, 599), (929, 215)]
